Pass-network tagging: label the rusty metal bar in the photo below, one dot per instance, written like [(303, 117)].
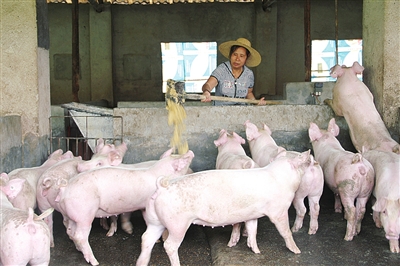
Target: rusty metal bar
[(60, 140), (75, 50), (307, 40), (336, 32)]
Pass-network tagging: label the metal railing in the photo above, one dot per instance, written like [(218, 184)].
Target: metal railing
[(80, 134)]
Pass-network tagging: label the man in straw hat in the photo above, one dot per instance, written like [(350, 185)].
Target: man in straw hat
[(233, 78)]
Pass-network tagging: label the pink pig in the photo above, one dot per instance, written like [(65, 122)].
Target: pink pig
[(26, 198), (231, 155), (264, 149), (105, 155), (109, 191), (111, 155), (353, 100), (24, 237), (222, 197), (348, 175), (58, 176), (49, 185), (387, 193)]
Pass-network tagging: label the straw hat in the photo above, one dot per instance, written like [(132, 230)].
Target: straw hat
[(252, 61)]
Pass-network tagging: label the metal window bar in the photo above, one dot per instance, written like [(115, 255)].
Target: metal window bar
[(85, 141)]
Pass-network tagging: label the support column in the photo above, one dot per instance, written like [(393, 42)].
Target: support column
[(25, 82), (381, 58), (101, 55), (265, 32)]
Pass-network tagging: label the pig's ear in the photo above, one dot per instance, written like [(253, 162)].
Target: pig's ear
[(357, 68), (67, 155), (306, 155), (314, 132), (100, 145), (333, 128), (58, 153), (223, 137), (115, 158), (251, 131), (239, 138), (122, 149), (167, 153), (266, 128), (380, 205), (13, 187), (336, 71), (4, 177), (280, 152)]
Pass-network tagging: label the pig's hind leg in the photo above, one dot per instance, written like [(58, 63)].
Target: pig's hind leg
[(49, 221), (313, 203), (81, 240), (173, 242), (350, 216), (360, 211), (149, 238), (126, 222), (301, 210), (282, 224)]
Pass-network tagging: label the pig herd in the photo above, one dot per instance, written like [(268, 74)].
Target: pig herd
[(240, 190)]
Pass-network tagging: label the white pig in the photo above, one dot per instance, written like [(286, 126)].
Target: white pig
[(59, 175), (26, 198), (24, 237), (105, 155), (222, 197), (231, 155), (264, 149), (49, 185), (387, 193), (353, 100), (111, 155), (110, 191), (348, 175)]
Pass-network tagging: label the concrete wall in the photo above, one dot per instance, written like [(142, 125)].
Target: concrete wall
[(24, 83), (137, 31), (381, 28), (148, 135)]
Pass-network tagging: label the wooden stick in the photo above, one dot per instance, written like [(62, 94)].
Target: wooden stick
[(227, 99)]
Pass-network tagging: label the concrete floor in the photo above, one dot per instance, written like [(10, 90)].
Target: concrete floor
[(207, 246)]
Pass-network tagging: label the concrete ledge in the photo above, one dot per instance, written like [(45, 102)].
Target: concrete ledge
[(147, 133)]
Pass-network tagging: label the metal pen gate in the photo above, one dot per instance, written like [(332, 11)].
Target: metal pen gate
[(80, 133)]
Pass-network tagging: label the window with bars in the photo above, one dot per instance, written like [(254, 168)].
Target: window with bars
[(190, 62), (323, 57)]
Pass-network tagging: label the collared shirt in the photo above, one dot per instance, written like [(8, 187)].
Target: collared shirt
[(228, 86)]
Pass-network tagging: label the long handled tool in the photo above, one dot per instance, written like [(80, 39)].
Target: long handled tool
[(176, 92)]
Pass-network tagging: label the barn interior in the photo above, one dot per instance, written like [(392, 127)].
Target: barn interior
[(101, 60), (120, 68)]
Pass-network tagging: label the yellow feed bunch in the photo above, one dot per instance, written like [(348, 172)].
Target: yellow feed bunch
[(176, 117)]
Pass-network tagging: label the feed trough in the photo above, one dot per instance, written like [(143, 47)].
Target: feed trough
[(95, 122)]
